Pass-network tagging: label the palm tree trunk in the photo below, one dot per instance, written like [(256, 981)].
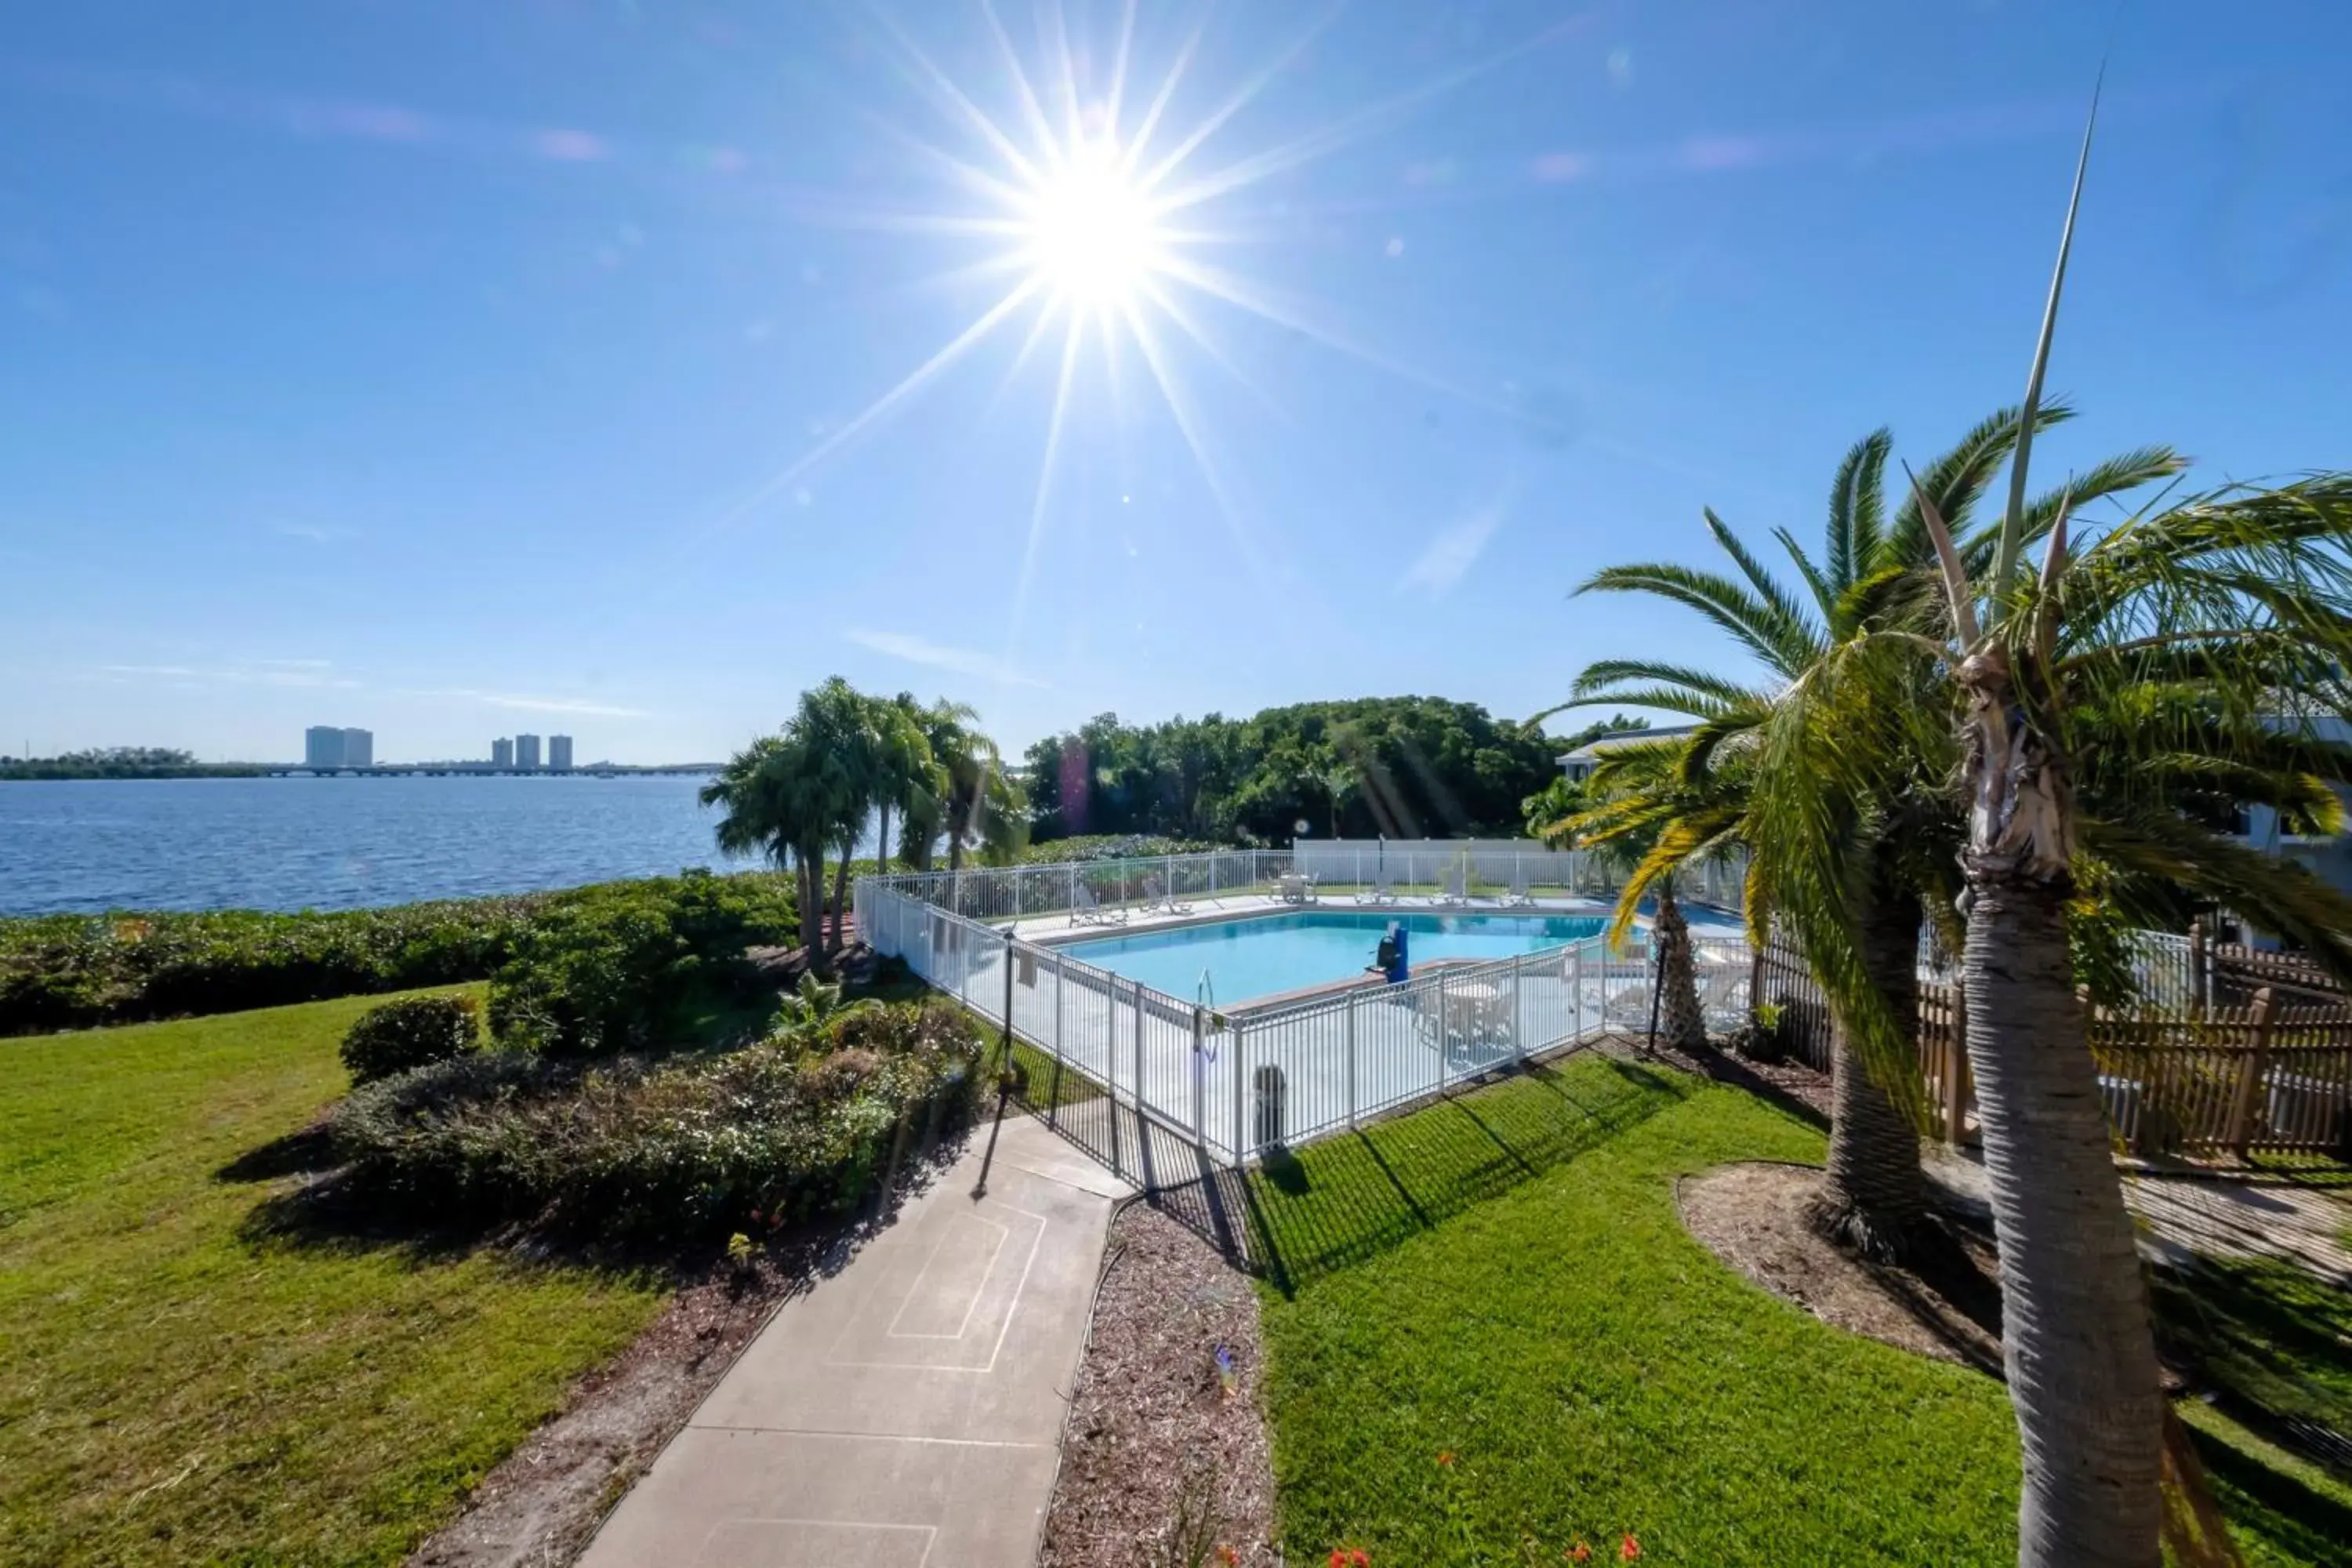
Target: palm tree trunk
[(1872, 1196), (2082, 1362), (882, 840), (840, 901), (812, 912), (2076, 1341), (1681, 1020)]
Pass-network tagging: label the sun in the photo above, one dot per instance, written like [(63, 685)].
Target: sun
[(1089, 231)]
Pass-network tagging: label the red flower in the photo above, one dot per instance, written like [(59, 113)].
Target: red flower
[(1357, 1559), (1446, 1458), (1579, 1553), (1338, 1557), (1628, 1549), (1229, 1557)]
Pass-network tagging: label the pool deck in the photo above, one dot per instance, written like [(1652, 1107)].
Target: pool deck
[(1061, 929)]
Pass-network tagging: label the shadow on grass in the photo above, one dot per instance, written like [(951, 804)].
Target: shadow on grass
[(2271, 1345), (1353, 1196), (2275, 1504), (302, 1153)]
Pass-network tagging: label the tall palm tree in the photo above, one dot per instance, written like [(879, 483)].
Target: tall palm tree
[(1901, 844), (2228, 618)]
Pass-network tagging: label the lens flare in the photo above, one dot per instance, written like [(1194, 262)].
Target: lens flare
[(1092, 232)]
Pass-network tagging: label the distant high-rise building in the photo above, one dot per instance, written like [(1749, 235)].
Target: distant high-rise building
[(322, 747), (501, 753), (559, 752), (526, 751), (359, 748)]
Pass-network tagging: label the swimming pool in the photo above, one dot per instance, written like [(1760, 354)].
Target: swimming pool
[(1263, 955)]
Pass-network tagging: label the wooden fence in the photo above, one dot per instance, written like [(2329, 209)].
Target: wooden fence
[(2271, 1072)]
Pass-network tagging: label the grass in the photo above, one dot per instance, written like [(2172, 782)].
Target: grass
[(1051, 1083), (179, 1385), (1502, 1278)]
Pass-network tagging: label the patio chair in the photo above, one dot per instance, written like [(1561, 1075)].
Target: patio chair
[(1518, 898), (1383, 891), (1626, 1005), (1454, 889), (1156, 897), (1090, 911)]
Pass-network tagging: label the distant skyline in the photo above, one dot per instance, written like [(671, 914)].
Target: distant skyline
[(449, 372)]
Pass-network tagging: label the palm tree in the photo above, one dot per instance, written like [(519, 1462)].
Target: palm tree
[(1873, 1197), (776, 799), (911, 777), (1635, 796), (2225, 621)]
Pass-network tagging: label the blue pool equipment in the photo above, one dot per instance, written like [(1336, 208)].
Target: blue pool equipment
[(1390, 959)]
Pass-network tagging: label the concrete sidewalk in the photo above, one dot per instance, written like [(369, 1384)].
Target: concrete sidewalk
[(908, 1412)]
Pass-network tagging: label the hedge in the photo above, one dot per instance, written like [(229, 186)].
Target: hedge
[(414, 1032), (690, 1149), (74, 971)]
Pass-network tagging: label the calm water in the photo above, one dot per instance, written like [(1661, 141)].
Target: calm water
[(1270, 953), (289, 844)]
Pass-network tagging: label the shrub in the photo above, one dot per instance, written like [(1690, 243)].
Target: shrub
[(410, 1033), (692, 1149), (615, 968), (76, 971)]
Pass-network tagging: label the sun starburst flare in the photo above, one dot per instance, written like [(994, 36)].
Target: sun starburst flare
[(1094, 224)]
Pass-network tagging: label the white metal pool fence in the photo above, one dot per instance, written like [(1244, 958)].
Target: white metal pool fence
[(1490, 867), (1240, 1081)]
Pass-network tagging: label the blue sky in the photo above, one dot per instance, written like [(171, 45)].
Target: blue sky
[(457, 369)]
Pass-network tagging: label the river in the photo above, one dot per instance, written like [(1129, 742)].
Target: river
[(337, 843)]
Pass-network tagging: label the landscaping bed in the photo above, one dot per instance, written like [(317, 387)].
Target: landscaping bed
[(1165, 1446)]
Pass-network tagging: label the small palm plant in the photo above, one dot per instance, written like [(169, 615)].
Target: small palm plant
[(807, 1012)]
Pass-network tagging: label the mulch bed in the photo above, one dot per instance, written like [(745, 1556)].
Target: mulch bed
[(1947, 1304), (1154, 1433)]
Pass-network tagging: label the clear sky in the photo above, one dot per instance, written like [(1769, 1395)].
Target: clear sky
[(457, 368)]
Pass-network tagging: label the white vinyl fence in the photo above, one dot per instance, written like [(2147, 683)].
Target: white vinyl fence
[(1490, 866), (1240, 1081)]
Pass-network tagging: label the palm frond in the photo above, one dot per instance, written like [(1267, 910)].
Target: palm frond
[(1782, 645), (1825, 595), (1858, 512), (1798, 635), (2277, 894), (1955, 481)]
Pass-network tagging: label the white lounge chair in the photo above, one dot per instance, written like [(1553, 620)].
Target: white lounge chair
[(1380, 892), (1156, 897), (1454, 888), (1518, 898), (1090, 911)]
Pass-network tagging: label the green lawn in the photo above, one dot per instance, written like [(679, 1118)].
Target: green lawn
[(1503, 1278), (178, 1386)]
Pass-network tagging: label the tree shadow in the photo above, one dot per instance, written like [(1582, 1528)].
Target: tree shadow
[(2289, 1512), (1351, 1198), (2267, 1343)]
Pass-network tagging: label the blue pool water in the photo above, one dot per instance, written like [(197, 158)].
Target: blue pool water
[(1267, 953)]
